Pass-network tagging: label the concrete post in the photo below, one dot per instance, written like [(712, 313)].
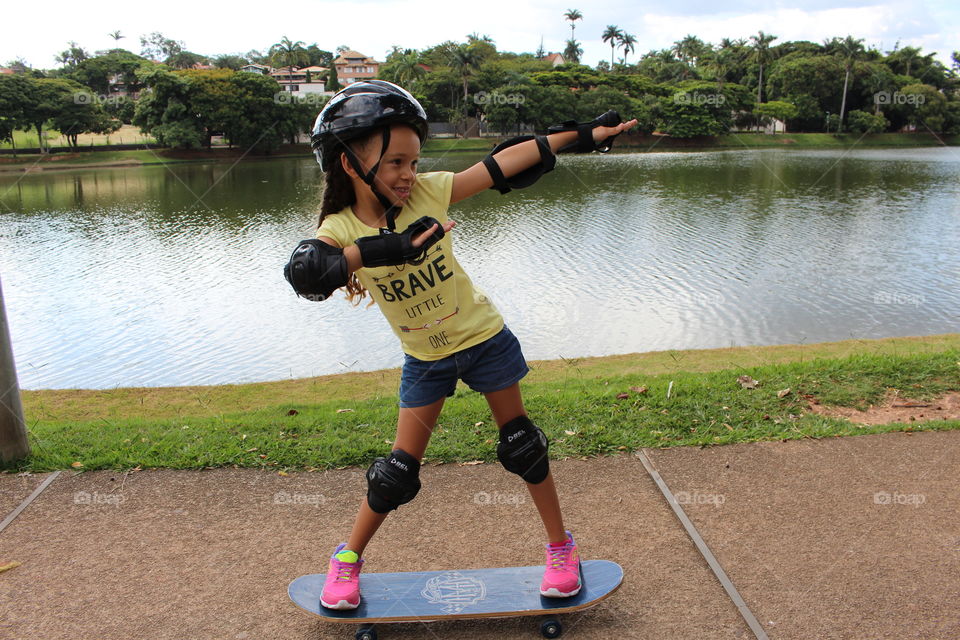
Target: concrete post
[(13, 428)]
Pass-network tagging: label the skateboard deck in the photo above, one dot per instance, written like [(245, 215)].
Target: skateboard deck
[(464, 594)]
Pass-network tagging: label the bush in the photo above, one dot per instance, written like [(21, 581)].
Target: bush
[(863, 122)]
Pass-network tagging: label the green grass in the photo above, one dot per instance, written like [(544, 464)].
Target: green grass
[(434, 145), (127, 134), (347, 420)]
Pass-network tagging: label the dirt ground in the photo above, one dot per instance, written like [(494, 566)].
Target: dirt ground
[(896, 408)]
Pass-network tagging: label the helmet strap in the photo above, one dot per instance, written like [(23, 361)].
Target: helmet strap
[(390, 209)]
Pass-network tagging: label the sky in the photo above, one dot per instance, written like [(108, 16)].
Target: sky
[(372, 26)]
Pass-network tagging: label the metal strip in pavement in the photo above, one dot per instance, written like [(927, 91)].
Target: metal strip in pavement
[(26, 503), (718, 571)]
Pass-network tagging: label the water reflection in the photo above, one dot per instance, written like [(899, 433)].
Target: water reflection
[(172, 275)]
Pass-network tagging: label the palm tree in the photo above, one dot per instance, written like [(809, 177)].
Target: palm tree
[(466, 62), (761, 54), (572, 15), (407, 70), (851, 50), (721, 62), (613, 34), (626, 43), (573, 52), (116, 35), (287, 54)]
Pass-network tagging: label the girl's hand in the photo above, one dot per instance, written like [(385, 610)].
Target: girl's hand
[(602, 133), (447, 226)]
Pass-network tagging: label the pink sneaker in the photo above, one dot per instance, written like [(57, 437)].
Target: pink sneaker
[(562, 577), (341, 589)]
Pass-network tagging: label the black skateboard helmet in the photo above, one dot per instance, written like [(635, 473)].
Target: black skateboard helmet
[(360, 108)]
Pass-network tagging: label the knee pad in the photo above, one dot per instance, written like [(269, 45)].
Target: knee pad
[(392, 481), (522, 450)]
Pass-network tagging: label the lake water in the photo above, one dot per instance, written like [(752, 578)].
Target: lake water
[(173, 275)]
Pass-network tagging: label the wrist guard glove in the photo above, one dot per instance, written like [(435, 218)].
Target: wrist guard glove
[(585, 142), (391, 248)]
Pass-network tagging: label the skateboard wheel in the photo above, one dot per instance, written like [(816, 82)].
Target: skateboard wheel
[(366, 633), (551, 628)]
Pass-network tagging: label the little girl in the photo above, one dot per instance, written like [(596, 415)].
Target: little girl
[(367, 140)]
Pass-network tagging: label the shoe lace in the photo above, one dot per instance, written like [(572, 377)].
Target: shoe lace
[(558, 556), (345, 570)]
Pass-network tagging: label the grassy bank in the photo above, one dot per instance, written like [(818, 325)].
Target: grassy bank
[(123, 158), (586, 406)]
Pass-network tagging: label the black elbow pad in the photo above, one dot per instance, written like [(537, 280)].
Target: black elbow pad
[(316, 269)]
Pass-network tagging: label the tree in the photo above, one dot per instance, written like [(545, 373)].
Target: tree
[(572, 52), (849, 50), (73, 55), (782, 111), (572, 15), (80, 112), (333, 83), (46, 97), (14, 95), (699, 109), (163, 111), (689, 51), (186, 60), (230, 61), (626, 43), (465, 62), (116, 35), (761, 55), (923, 106), (612, 34), (591, 104), (101, 72), (863, 122), (158, 47), (288, 54), (403, 68)]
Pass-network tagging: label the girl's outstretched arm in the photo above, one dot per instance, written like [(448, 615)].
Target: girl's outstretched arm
[(519, 157)]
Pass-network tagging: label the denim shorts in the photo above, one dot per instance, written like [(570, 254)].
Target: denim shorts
[(492, 365)]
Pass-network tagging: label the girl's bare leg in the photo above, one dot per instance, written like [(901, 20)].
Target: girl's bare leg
[(414, 427), (506, 405)]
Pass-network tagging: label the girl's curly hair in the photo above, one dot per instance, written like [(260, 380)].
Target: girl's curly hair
[(337, 195)]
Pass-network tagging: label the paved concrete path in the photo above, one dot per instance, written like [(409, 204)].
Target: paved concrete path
[(838, 538)]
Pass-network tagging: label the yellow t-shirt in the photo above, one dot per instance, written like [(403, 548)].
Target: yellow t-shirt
[(433, 307)]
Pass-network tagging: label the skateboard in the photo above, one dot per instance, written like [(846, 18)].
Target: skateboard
[(467, 594)]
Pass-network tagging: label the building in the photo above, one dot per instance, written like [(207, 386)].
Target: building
[(256, 68), (308, 80), (556, 59), (353, 66), (5, 71)]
